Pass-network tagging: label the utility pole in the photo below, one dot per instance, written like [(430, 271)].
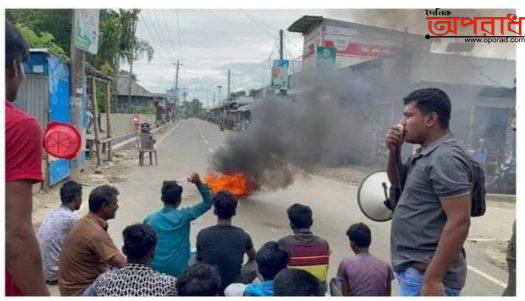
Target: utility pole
[(77, 92), (281, 33), (229, 91), (131, 59), (281, 44), (176, 91)]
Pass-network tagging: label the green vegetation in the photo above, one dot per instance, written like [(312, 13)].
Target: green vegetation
[(118, 43)]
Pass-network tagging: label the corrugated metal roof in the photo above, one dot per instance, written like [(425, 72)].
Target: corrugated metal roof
[(136, 89)]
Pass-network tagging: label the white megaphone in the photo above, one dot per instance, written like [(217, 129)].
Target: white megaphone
[(371, 197)]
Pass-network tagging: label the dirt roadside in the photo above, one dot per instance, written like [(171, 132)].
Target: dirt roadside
[(125, 160)]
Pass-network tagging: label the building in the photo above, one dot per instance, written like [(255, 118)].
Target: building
[(142, 101), (374, 68), (354, 43)]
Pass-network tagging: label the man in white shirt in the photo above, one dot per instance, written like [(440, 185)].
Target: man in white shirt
[(55, 228)]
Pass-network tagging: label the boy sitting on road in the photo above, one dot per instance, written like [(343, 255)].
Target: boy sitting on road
[(363, 274)]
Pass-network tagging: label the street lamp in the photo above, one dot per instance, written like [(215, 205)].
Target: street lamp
[(219, 87)]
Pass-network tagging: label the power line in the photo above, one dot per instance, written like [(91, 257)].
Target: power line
[(165, 33), (155, 31), (170, 36), (256, 22), (178, 35), (150, 33), (261, 64), (265, 27)]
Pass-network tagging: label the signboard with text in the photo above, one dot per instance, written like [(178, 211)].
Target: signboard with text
[(280, 74), (86, 30), (325, 57)]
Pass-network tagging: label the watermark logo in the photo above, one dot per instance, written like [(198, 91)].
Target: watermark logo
[(443, 24)]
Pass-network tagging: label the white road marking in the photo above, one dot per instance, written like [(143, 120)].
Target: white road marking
[(487, 276), (211, 150), (473, 269), (169, 133), (483, 239), (205, 141)]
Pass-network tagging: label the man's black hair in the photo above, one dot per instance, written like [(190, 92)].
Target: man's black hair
[(271, 259), (101, 196), (200, 279), (295, 282), (360, 234), (300, 216), (430, 100), (69, 191), (225, 204), (139, 241), (16, 47), (171, 192)]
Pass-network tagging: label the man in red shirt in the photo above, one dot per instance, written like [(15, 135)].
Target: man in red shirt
[(24, 275)]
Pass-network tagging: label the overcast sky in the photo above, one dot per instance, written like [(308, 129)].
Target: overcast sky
[(208, 42)]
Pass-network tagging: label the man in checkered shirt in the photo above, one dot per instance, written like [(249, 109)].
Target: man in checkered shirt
[(136, 278)]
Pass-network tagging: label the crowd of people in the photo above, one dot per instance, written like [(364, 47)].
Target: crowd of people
[(430, 224), (156, 259)]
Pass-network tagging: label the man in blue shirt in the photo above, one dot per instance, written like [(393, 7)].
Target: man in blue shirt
[(271, 259), (173, 226)]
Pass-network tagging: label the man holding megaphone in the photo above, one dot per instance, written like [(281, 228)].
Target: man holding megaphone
[(431, 219)]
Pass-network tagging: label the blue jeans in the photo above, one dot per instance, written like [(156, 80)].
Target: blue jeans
[(411, 282)]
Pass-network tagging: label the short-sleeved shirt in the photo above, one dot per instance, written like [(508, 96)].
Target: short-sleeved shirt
[(308, 252), (224, 246), (23, 146), (365, 275), (23, 159), (172, 252), (51, 236), (439, 171), (135, 280), (87, 249)]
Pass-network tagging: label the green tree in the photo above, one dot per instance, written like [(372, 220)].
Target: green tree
[(44, 40), (193, 108), (51, 28), (57, 22), (235, 95)]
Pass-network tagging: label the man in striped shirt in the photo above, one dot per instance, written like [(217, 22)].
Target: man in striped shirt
[(307, 251)]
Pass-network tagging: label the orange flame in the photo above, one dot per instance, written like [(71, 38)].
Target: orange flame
[(236, 183)]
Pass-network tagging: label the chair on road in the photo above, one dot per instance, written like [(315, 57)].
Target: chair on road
[(146, 144)]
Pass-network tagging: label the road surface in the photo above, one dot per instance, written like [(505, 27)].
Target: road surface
[(188, 147)]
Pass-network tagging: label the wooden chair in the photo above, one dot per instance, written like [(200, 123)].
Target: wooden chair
[(146, 144)]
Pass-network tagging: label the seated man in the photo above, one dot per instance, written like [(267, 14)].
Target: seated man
[(172, 225), (364, 274), (294, 282), (136, 278), (200, 279), (88, 248), (271, 259), (224, 245), (307, 251), (56, 226)]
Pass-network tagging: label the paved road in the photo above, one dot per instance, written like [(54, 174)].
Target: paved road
[(263, 215)]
